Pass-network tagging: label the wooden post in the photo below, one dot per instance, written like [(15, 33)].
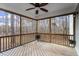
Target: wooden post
[(0, 44), (74, 23), (20, 29), (50, 29), (37, 27)]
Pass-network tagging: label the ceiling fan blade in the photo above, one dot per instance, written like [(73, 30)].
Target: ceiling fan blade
[(29, 9), (44, 10), (32, 4), (43, 4)]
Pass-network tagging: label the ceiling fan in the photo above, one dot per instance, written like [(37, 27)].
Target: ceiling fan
[(38, 5)]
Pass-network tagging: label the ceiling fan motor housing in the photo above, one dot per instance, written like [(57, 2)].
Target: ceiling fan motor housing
[(37, 5)]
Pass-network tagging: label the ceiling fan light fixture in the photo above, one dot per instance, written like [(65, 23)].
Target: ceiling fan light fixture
[(36, 11)]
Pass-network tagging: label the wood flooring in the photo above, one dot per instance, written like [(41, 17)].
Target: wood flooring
[(36, 48)]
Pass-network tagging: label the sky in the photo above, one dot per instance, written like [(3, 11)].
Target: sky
[(2, 13), (2, 20), (1, 17)]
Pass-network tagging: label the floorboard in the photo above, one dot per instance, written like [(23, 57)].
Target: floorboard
[(36, 48)]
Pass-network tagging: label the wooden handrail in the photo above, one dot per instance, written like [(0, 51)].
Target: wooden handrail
[(16, 35), (36, 33), (56, 34)]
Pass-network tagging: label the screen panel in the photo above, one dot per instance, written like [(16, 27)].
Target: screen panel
[(28, 25), (43, 26), (62, 25), (62, 30), (9, 24)]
